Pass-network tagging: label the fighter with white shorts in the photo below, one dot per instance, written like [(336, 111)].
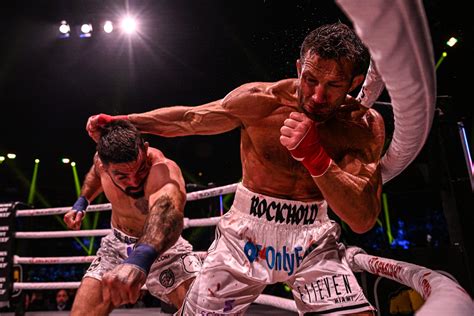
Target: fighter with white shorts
[(264, 240), (177, 265)]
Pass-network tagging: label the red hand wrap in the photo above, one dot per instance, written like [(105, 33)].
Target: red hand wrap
[(310, 152), (104, 119)]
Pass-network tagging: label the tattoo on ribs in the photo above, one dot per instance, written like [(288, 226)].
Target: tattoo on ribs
[(142, 205), (163, 225)]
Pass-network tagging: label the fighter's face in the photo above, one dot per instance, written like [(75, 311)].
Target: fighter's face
[(130, 177), (323, 85)]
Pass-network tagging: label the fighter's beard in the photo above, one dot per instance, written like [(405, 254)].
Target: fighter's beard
[(315, 117), (133, 195)]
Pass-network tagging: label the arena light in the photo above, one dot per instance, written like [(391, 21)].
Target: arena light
[(11, 156), (440, 60), (129, 25), (77, 182), (108, 27), (86, 30), (64, 30), (65, 160), (32, 193), (452, 41)]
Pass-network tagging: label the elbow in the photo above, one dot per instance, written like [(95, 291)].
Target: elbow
[(362, 227), (367, 221)]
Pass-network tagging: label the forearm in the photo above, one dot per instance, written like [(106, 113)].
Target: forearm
[(163, 226), (207, 119), (167, 122), (92, 185), (354, 198)]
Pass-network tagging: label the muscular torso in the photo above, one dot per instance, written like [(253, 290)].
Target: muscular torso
[(129, 214), (268, 168)]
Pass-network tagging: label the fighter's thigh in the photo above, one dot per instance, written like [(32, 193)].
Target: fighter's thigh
[(326, 284), (88, 299), (221, 291), (176, 297)]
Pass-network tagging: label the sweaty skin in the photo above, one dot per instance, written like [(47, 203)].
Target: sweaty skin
[(351, 185), (156, 219)]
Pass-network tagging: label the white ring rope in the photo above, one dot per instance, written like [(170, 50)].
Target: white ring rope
[(278, 302), (399, 40), (442, 295), (70, 260), (192, 196), (201, 222), (198, 222), (52, 260), (45, 285), (62, 234), (264, 299)]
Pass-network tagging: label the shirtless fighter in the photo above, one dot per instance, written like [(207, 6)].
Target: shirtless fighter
[(327, 152), (146, 191)]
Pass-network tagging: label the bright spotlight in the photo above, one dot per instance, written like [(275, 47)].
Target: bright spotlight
[(86, 30), (452, 41), (73, 164), (64, 29), (65, 160), (37, 160), (11, 156), (129, 25), (108, 27), (2, 159)]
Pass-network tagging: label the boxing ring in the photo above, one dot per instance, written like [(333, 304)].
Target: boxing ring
[(406, 54), (442, 295)]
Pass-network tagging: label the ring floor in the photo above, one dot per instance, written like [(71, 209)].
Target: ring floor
[(254, 310)]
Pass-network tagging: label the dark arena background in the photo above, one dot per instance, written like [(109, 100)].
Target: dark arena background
[(193, 52)]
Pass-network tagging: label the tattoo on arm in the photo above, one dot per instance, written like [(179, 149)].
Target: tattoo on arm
[(163, 225), (92, 185)]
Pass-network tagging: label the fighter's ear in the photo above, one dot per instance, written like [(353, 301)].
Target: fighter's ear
[(356, 82), (298, 67)]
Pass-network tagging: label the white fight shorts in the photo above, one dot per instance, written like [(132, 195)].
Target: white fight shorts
[(169, 270), (264, 240)]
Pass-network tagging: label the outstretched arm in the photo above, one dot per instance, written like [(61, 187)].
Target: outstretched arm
[(91, 188), (207, 119), (244, 104)]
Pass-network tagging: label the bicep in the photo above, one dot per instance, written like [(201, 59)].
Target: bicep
[(211, 118), (171, 187), (364, 161), (169, 193), (357, 164)]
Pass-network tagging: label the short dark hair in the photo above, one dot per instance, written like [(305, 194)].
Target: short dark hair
[(337, 41), (119, 142)]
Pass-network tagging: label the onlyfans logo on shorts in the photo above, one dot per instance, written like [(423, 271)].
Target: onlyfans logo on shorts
[(275, 260)]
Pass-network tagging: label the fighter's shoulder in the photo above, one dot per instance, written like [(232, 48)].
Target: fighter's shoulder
[(262, 91), (374, 122), (157, 158), (257, 99), (160, 163)]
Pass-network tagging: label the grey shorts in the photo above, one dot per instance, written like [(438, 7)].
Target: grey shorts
[(169, 270), (263, 240)]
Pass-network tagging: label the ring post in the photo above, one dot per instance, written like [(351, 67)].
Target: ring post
[(7, 233)]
